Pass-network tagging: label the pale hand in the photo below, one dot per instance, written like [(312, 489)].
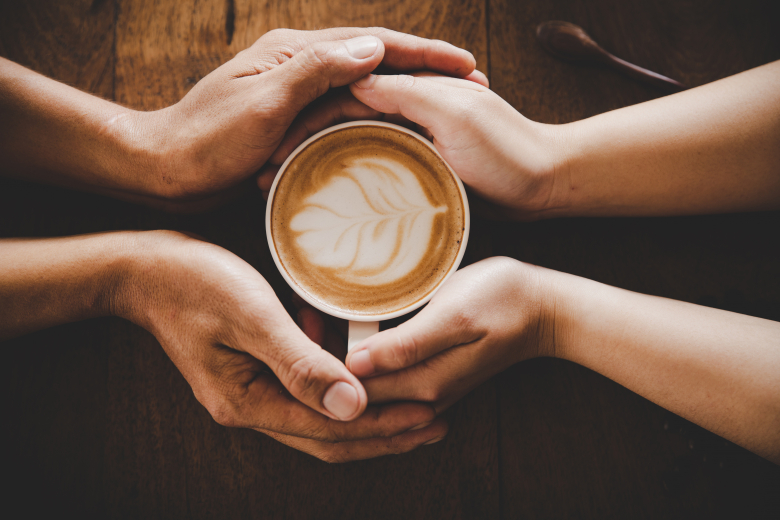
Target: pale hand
[(483, 320), (504, 158)]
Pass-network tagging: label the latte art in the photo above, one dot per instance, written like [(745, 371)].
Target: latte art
[(381, 230), (366, 220)]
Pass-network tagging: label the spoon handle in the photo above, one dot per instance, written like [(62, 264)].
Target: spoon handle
[(641, 74)]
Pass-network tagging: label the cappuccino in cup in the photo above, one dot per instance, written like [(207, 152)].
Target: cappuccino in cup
[(365, 221)]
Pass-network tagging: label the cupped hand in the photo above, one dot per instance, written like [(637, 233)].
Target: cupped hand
[(231, 122), (507, 160), (485, 318), (246, 360)]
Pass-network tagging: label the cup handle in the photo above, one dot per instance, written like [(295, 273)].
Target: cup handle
[(360, 330)]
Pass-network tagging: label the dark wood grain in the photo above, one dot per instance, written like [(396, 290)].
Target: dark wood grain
[(100, 423), (71, 41)]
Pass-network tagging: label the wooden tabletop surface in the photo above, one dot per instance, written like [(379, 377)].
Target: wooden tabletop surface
[(98, 421)]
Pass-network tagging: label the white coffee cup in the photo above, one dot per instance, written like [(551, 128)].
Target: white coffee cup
[(362, 326)]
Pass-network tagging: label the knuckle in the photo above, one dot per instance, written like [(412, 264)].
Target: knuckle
[(296, 421), (330, 434), (405, 352), (405, 82), (313, 79), (276, 35), (324, 432), (431, 394), (324, 457), (462, 320), (431, 50), (224, 412), (315, 56), (244, 55), (503, 262), (224, 400), (331, 456), (300, 377), (396, 447)]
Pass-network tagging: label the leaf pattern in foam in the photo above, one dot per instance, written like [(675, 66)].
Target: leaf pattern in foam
[(372, 222)]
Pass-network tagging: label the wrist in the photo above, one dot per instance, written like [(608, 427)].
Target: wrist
[(156, 276), (535, 295), (141, 154), (140, 259), (562, 298), (574, 308), (557, 149)]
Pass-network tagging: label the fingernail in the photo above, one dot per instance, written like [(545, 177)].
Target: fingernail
[(362, 47), (361, 364), (420, 426), (341, 400), (365, 82), (433, 441)]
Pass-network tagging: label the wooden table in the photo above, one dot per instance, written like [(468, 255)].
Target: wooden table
[(98, 421)]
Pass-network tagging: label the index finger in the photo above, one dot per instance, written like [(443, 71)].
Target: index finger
[(365, 448), (435, 102), (266, 405), (403, 52)]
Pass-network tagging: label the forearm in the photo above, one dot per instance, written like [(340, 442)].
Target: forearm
[(55, 134), (711, 149), (46, 282), (718, 369)]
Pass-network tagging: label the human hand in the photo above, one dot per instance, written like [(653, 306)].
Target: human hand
[(486, 317), (689, 359), (338, 106), (246, 360), (231, 122), (507, 160)]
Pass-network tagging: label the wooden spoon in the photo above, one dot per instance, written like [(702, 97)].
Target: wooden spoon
[(570, 42)]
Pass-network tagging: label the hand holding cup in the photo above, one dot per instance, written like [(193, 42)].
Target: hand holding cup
[(508, 161), (246, 360), (487, 317)]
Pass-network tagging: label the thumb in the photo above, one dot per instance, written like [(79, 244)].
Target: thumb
[(312, 375), (435, 329), (323, 65)]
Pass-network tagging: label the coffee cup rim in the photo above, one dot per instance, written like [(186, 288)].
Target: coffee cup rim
[(336, 312)]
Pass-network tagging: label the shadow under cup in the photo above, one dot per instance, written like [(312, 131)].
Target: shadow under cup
[(365, 221)]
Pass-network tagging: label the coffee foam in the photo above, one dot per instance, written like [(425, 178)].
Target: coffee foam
[(367, 220)]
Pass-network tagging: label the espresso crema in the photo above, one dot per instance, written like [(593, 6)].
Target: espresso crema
[(367, 220)]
